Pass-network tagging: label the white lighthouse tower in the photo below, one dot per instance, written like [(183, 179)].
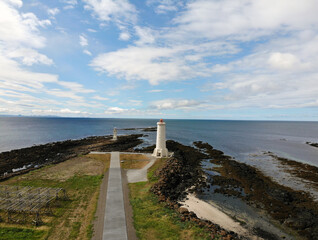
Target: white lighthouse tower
[(115, 134), (161, 150)]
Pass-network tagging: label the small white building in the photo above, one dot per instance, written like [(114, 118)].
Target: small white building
[(161, 149)]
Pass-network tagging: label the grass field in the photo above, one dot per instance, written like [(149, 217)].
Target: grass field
[(152, 220), (133, 161), (72, 219)]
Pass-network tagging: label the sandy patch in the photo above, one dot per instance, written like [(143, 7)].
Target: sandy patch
[(206, 211)]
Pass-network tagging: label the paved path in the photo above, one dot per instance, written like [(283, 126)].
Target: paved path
[(115, 219), (140, 175)]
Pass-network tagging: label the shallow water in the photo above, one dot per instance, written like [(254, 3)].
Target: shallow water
[(247, 215)]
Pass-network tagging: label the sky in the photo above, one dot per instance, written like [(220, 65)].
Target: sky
[(197, 59)]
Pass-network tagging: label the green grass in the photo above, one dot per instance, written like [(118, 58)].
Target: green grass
[(83, 186), (73, 183), (153, 220), (75, 230), (9, 233), (90, 228)]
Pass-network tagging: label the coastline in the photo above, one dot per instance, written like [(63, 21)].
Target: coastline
[(31, 158), (295, 212), (176, 181), (209, 212)]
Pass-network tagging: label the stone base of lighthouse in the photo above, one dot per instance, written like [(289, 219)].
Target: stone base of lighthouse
[(160, 152)]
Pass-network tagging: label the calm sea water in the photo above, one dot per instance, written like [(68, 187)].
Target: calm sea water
[(239, 139)]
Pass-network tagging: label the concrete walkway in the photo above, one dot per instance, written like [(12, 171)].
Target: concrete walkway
[(115, 219), (140, 175)]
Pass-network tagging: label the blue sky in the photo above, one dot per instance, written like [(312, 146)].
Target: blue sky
[(205, 59)]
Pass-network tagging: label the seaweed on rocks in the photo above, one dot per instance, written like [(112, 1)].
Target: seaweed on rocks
[(298, 169), (294, 209), (312, 144)]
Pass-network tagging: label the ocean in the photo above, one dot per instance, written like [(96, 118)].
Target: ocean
[(239, 139)]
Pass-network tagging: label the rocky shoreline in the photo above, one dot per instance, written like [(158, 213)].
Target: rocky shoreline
[(294, 210), (178, 176), (304, 171), (20, 161)]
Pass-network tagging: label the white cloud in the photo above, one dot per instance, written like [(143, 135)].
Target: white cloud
[(283, 60), (124, 36), (280, 74), (134, 102), (165, 6), (16, 28), (18, 46), (87, 52), (155, 91), (157, 64), (12, 76), (110, 10), (91, 30), (75, 87), (68, 7), (145, 34), (83, 41), (63, 111), (29, 56), (64, 94), (174, 104), (71, 2), (115, 110), (120, 12), (17, 3), (100, 98), (53, 11), (129, 112), (243, 19)]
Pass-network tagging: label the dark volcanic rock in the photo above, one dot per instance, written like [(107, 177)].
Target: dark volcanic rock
[(180, 172), (147, 129), (148, 149), (124, 143)]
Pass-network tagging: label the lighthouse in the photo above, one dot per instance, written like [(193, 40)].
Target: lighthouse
[(161, 150), (115, 134)]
